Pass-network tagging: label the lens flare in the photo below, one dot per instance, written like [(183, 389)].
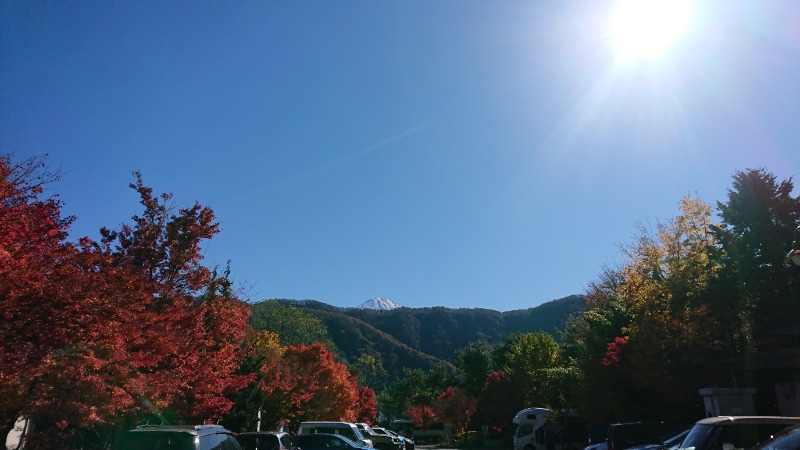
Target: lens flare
[(645, 29)]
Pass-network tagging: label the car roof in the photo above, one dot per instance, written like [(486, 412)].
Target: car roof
[(261, 433), (732, 420), (308, 436), (326, 422), (199, 430)]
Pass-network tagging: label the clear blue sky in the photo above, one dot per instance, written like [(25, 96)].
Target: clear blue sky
[(457, 153)]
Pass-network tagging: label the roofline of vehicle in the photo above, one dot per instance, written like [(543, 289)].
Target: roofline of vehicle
[(751, 419)]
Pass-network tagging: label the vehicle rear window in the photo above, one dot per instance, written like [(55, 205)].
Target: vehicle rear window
[(161, 440)]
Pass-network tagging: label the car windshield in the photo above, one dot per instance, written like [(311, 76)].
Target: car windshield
[(173, 440), (698, 435), (738, 436), (675, 441)]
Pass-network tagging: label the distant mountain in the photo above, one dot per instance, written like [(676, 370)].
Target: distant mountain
[(379, 304), (421, 337)]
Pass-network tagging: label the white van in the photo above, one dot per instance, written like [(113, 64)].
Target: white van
[(346, 429)]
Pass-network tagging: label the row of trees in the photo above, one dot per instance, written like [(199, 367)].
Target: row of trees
[(694, 303), (96, 336), (697, 303), (487, 385)]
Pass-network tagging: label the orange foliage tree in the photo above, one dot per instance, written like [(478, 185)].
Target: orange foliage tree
[(308, 384)]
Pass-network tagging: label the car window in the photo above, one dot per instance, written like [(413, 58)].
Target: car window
[(348, 433), (286, 441), (214, 442), (257, 441), (746, 436), (332, 442), (173, 440), (738, 436), (698, 436), (327, 430), (524, 430), (231, 443), (312, 440)]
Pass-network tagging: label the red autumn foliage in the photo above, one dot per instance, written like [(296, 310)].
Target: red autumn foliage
[(615, 352), (366, 407), (422, 415), (455, 408), (499, 400), (132, 324), (308, 384)]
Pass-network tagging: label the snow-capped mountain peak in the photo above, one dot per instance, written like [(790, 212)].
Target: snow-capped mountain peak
[(380, 304)]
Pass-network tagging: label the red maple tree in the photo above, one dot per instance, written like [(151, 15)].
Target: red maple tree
[(499, 400), (308, 384), (455, 408), (366, 407), (423, 416), (132, 324)]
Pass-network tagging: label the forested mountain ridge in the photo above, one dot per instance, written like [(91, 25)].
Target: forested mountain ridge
[(421, 337), (353, 337)]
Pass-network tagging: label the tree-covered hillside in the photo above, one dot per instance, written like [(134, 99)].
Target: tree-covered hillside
[(414, 338)]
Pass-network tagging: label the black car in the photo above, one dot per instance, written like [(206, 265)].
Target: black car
[(178, 437), (264, 440), (324, 441)]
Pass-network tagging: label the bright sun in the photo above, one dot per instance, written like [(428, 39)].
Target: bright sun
[(645, 29)]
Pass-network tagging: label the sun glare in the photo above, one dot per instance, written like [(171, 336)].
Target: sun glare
[(645, 29)]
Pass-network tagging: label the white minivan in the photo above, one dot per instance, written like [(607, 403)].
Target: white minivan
[(346, 429)]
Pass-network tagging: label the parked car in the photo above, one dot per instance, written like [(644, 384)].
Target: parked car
[(264, 440), (163, 437), (788, 439), (735, 432), (346, 429), (408, 443), (380, 441), (325, 441)]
